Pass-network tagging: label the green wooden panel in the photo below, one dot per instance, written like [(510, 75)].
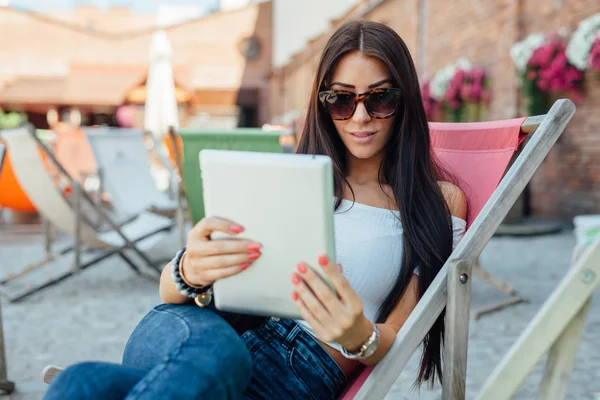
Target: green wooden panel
[(241, 139)]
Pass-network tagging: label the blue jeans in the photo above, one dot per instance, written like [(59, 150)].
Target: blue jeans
[(185, 352)]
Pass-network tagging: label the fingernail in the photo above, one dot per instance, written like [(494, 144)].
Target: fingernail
[(301, 267), (237, 229), (253, 256), (340, 267), (294, 296), (323, 261), (295, 279), (254, 246), (244, 266)]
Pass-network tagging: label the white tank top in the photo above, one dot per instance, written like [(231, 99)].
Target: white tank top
[(368, 244)]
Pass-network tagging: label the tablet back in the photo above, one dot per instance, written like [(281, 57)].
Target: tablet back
[(285, 202)]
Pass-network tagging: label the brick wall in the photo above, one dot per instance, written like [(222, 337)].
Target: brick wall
[(440, 31)]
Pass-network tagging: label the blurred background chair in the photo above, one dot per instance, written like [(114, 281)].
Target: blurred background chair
[(65, 214), (6, 386)]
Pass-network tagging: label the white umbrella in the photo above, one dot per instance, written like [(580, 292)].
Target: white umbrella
[(160, 111)]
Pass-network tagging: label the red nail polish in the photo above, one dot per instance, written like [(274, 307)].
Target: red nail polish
[(244, 266), (254, 246), (323, 261), (302, 268), (253, 256), (295, 279), (294, 296), (237, 229)]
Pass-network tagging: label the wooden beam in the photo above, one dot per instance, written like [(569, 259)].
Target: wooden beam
[(561, 358), (532, 123), (562, 355), (457, 331), (556, 314)]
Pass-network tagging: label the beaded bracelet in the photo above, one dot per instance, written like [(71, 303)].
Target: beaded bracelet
[(201, 294)]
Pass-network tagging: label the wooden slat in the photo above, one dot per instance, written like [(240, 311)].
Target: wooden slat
[(479, 311), (561, 358), (491, 279), (564, 303), (562, 355), (532, 123), (457, 331), (3, 369), (493, 213)]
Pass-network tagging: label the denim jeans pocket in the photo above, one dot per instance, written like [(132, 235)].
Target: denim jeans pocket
[(317, 381)]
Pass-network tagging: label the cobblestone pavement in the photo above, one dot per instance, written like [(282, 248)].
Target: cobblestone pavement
[(91, 315)]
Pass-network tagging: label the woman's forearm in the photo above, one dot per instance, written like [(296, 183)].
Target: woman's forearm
[(168, 292)]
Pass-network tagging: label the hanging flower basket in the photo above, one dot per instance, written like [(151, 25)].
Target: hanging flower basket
[(468, 95), (458, 92), (546, 71), (583, 45)]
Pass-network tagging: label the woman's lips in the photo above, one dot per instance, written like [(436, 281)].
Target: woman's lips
[(362, 136)]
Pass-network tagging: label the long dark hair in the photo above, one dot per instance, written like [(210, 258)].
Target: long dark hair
[(408, 167)]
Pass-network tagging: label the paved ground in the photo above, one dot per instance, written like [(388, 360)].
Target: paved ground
[(91, 315)]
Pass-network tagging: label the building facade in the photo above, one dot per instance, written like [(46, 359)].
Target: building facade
[(93, 60)]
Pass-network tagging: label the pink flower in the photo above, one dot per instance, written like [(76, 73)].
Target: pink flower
[(551, 70), (541, 56)]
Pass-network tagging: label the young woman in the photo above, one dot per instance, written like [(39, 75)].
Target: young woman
[(397, 217)]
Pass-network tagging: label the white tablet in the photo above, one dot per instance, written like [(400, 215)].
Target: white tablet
[(285, 202)]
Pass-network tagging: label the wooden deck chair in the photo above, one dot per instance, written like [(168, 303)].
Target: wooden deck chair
[(139, 235), (73, 152), (478, 153), (6, 386), (556, 329), (123, 160)]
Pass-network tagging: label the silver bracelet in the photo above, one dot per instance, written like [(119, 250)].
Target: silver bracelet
[(367, 349), (201, 295)]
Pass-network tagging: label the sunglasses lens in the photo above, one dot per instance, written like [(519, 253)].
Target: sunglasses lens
[(382, 104), (339, 105)]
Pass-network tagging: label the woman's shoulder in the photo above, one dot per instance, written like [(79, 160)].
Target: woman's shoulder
[(455, 198)]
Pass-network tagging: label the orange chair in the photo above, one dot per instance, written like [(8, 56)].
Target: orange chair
[(12, 195)]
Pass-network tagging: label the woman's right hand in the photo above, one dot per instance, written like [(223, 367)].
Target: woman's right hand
[(208, 260)]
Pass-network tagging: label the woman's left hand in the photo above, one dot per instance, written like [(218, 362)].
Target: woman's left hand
[(334, 317)]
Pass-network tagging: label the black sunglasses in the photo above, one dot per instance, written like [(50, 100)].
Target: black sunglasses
[(380, 103)]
